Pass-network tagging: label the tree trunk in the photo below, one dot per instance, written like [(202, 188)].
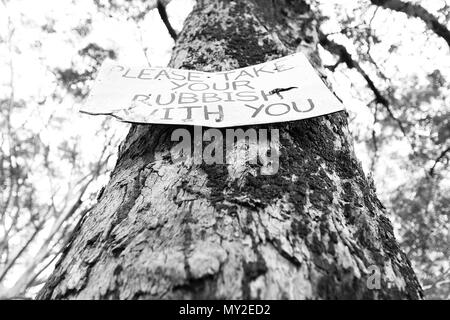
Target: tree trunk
[(314, 230)]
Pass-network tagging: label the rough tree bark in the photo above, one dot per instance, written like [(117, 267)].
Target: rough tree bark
[(165, 230)]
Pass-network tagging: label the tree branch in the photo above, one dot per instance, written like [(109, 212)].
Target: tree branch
[(438, 159), (163, 14), (20, 252), (416, 11), (345, 57)]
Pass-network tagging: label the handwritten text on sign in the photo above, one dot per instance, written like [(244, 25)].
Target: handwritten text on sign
[(280, 90)]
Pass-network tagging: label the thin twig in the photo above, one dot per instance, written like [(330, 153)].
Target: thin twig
[(438, 159), (345, 57)]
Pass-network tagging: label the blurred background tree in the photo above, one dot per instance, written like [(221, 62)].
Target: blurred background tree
[(390, 67)]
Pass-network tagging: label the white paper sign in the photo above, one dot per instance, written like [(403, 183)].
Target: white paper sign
[(280, 90)]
